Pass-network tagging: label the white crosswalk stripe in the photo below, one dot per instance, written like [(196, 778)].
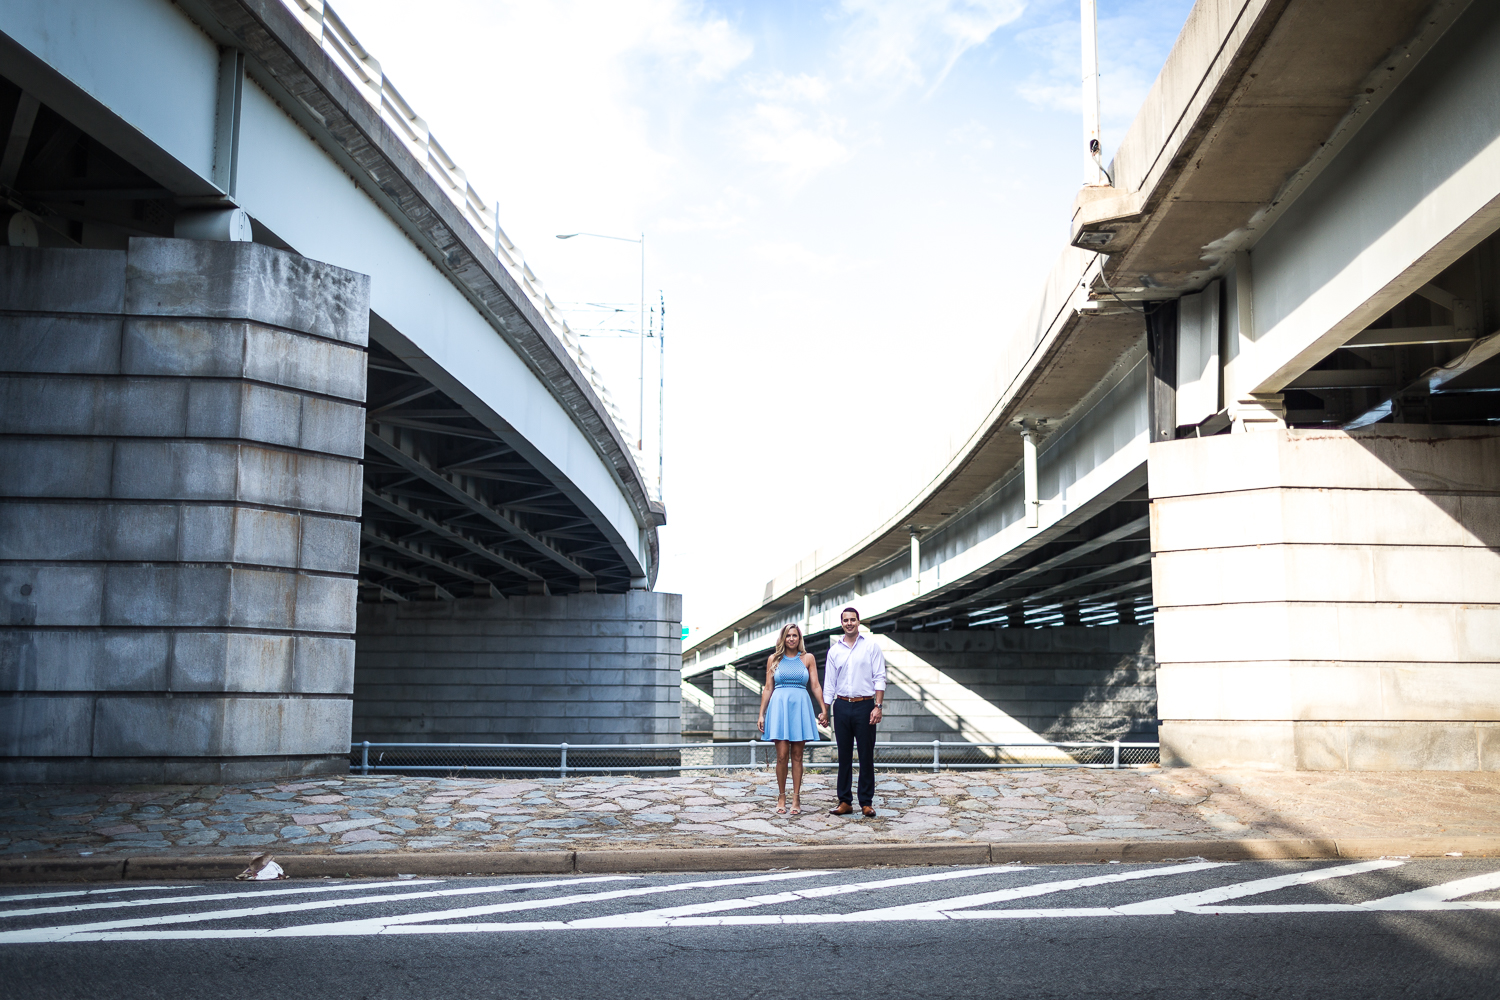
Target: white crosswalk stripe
[(281, 919), (1441, 897), (941, 909), (83, 931), (87, 892), (933, 910), (664, 917), (167, 900), (1190, 900)]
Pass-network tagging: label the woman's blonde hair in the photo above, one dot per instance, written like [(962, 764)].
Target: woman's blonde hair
[(781, 641)]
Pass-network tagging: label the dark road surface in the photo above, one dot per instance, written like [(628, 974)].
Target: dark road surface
[(1390, 928)]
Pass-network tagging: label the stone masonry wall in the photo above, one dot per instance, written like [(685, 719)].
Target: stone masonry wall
[(181, 426), (580, 668)]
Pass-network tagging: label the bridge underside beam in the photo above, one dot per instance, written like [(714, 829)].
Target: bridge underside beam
[(402, 508), (455, 506), (81, 176), (1052, 583)]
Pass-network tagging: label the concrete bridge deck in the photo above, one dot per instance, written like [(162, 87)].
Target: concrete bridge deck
[(1299, 238), (271, 368)]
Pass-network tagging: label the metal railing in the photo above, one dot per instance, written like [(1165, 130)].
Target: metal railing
[(562, 759), (355, 61)]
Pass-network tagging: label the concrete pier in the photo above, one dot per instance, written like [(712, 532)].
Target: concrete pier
[(580, 668), (1329, 600), (181, 425)]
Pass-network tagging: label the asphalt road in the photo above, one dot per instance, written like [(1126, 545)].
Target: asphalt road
[(1392, 928)]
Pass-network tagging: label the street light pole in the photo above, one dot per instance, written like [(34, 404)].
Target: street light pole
[(661, 396), (640, 423), (1093, 165)]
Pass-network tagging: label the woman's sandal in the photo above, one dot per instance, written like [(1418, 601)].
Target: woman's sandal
[(796, 810), (781, 810)]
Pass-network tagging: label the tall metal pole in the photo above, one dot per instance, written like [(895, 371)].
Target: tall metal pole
[(661, 395), (640, 424), (1093, 169)]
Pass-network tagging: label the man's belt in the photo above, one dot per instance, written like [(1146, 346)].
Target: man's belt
[(866, 697)]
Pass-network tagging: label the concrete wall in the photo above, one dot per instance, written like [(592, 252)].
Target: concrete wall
[(583, 668), (737, 702), (697, 706), (1003, 684), (1329, 600), (180, 433), (1066, 682)]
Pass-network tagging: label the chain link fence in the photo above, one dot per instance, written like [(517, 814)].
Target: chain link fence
[(562, 759)]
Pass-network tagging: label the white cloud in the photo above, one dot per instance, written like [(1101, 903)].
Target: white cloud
[(723, 215), (972, 134), (792, 255), (1055, 85), (799, 144), (1053, 96), (552, 90), (779, 87), (707, 48), (787, 127), (1129, 61), (917, 42)]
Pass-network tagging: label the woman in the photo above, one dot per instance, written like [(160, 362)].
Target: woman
[(786, 715)]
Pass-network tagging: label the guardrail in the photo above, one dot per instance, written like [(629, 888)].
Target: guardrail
[(319, 20), (457, 759)]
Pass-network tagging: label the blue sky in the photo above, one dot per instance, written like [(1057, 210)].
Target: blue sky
[(846, 206)]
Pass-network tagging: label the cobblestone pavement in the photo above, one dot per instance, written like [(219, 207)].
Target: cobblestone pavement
[(355, 814)]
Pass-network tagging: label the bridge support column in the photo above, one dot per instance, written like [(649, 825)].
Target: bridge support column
[(181, 425), (737, 703), (1329, 600), (579, 668)]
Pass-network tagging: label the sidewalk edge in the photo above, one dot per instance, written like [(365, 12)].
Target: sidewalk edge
[(390, 865)]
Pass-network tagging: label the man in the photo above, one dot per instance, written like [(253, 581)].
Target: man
[(853, 690)]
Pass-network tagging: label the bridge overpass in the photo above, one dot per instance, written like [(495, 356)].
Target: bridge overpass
[(1238, 484), (294, 446)]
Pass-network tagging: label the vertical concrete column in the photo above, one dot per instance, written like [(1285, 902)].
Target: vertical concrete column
[(1329, 600), (697, 708), (181, 427), (737, 703)]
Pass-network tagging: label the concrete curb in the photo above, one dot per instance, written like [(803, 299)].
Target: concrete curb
[(715, 859), (719, 859)]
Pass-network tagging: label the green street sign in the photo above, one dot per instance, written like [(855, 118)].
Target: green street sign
[(685, 631)]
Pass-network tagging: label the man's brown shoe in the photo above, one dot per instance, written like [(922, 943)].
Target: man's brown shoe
[(843, 809), (867, 810)]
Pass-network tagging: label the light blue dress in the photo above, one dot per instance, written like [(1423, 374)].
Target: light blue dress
[(789, 715)]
